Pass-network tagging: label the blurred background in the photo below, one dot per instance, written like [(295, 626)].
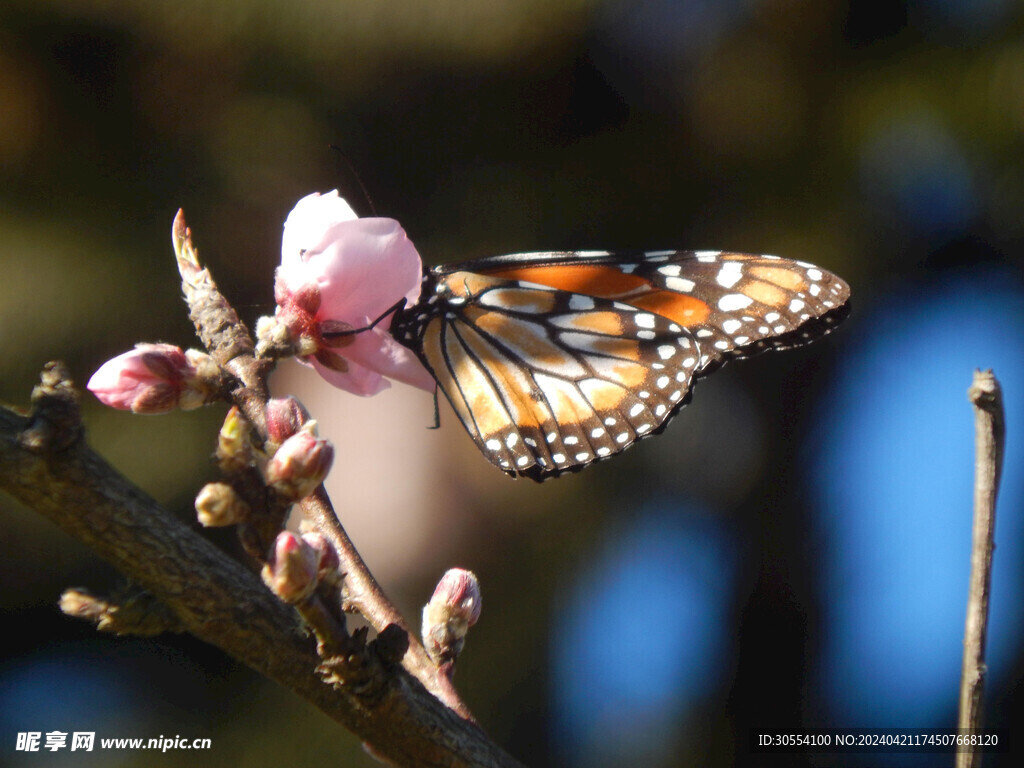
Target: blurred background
[(792, 553)]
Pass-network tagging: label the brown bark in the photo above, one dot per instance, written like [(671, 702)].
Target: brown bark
[(46, 464)]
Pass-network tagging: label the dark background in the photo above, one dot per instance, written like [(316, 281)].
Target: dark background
[(792, 553)]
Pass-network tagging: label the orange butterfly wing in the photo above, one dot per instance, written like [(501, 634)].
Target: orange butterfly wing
[(555, 360)]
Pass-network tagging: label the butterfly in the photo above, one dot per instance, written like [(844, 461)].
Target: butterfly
[(556, 360)]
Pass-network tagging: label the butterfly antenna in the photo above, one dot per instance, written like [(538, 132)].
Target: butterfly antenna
[(351, 172)]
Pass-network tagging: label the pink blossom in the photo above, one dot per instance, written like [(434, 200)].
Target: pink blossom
[(340, 272), (151, 378)]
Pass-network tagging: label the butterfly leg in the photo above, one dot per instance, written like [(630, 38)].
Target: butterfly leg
[(437, 413)]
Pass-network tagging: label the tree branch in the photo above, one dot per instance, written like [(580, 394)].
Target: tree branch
[(989, 438), (46, 464), (228, 341)]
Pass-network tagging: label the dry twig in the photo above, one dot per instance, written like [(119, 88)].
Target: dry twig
[(989, 437)]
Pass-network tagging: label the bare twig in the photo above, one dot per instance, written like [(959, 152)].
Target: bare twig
[(989, 437), (46, 465), (365, 596)]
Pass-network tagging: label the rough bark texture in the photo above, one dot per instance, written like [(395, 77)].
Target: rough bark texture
[(45, 464)]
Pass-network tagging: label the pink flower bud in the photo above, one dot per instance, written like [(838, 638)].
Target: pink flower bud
[(327, 562), (300, 464), (148, 379), (453, 609), (285, 417), (340, 272), (291, 569), (156, 378)]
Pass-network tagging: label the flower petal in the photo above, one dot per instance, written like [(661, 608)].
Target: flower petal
[(368, 266), (358, 379), (309, 222), (378, 350), (358, 269)]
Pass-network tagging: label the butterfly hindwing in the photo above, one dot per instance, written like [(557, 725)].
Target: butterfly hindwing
[(547, 381), (555, 360)]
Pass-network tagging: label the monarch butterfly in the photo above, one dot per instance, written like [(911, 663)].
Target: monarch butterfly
[(555, 360)]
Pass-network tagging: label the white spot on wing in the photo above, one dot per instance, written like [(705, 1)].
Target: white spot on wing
[(729, 274), (579, 302), (679, 284), (734, 301), (644, 319)]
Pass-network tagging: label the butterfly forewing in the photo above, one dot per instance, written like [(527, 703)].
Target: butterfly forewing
[(555, 360), (735, 304)]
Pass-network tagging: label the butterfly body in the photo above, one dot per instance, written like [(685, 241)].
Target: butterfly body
[(555, 360)]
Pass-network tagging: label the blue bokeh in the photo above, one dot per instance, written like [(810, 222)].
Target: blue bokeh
[(643, 636), (68, 692), (894, 486)]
